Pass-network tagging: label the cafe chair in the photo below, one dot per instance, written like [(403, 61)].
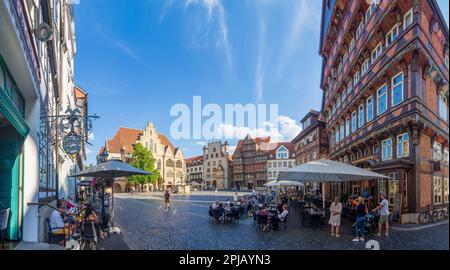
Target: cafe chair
[(4, 218), (89, 236), (55, 238)]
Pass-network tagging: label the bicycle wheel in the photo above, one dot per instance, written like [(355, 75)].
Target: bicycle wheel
[(436, 215), (424, 218)]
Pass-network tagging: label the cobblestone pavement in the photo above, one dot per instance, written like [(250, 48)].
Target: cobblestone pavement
[(146, 225)]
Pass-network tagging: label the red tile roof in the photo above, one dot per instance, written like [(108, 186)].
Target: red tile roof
[(125, 137), (166, 142), (193, 159), (273, 147), (259, 141)]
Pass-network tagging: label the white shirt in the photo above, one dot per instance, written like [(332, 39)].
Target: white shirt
[(56, 221), (384, 207), (283, 215)]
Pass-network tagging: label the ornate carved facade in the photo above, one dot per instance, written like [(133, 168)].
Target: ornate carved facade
[(385, 82)]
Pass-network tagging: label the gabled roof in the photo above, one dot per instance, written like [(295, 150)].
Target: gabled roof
[(273, 148), (194, 160), (125, 138), (259, 141), (166, 142), (79, 93)]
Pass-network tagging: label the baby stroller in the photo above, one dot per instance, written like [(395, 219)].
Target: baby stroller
[(370, 224)]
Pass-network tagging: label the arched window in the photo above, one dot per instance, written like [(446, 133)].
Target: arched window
[(179, 164), (169, 163)]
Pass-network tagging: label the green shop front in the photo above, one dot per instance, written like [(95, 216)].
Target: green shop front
[(13, 131)]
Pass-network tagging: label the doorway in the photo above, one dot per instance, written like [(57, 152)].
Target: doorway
[(10, 151)]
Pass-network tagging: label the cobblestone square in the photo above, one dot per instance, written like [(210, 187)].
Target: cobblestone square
[(146, 225)]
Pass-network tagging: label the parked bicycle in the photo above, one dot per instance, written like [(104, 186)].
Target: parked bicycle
[(443, 212), (431, 214)]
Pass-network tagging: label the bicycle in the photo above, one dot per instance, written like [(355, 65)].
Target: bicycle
[(429, 215), (443, 212)]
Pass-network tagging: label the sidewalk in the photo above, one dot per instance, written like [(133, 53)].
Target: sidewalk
[(416, 227), (113, 242)]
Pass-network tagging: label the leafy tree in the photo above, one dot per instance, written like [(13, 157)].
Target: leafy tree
[(143, 159)]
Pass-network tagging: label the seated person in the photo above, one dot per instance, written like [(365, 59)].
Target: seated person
[(262, 211), (282, 216), (215, 205), (228, 202), (70, 204), (91, 216), (58, 225), (221, 209)]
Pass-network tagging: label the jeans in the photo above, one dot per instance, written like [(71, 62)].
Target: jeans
[(360, 222)]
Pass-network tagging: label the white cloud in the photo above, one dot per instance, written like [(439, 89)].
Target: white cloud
[(212, 27), (200, 143), (285, 129), (88, 151), (305, 18), (259, 78), (91, 137)]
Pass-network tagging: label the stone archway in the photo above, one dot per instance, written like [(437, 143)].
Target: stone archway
[(117, 188)]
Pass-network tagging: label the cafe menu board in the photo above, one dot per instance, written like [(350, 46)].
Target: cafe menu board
[(397, 209)]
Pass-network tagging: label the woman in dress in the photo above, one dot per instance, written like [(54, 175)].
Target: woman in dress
[(335, 216)]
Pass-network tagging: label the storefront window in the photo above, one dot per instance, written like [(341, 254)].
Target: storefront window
[(437, 151), (381, 186), (394, 186), (445, 190), (405, 189), (437, 190)]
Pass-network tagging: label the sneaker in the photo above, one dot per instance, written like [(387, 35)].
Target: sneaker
[(355, 240), (338, 235), (361, 239)]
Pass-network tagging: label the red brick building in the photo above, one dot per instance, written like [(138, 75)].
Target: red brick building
[(385, 80), (249, 165), (312, 142)]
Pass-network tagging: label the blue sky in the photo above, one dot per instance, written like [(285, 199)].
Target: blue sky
[(136, 59)]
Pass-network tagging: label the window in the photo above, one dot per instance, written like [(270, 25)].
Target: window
[(397, 89), (381, 100), (333, 109), (339, 68), (347, 126), (337, 135), (269, 164), (370, 109), (445, 190), (377, 52), (387, 150), (408, 19), (361, 116), (403, 145), (443, 107), (437, 151), (354, 127), (356, 78), (352, 45), (382, 186), (376, 150), (394, 187), (349, 87), (437, 190), (270, 174), (392, 35), (365, 67), (360, 30), (446, 156), (345, 58), (342, 131), (344, 95), (338, 101)]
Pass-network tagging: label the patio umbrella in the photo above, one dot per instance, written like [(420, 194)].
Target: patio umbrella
[(324, 170), (110, 170), (276, 183)]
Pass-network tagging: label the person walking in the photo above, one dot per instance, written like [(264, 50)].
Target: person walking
[(361, 212), (384, 215), (167, 200), (335, 216)]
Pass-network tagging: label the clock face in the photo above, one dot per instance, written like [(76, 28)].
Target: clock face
[(72, 144)]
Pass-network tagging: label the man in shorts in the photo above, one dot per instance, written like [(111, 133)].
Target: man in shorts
[(384, 215), (167, 200)]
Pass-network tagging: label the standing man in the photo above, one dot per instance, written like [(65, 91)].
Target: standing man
[(167, 200), (384, 215)]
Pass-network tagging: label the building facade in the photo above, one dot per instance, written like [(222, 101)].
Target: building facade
[(249, 165), (194, 171), (385, 81), (281, 156), (36, 84), (312, 142), (169, 160), (216, 165)]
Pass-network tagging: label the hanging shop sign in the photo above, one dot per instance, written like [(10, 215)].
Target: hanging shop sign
[(72, 144)]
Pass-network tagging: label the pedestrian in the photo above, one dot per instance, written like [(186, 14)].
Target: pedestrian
[(235, 197), (335, 216), (167, 200), (384, 215), (361, 212)]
